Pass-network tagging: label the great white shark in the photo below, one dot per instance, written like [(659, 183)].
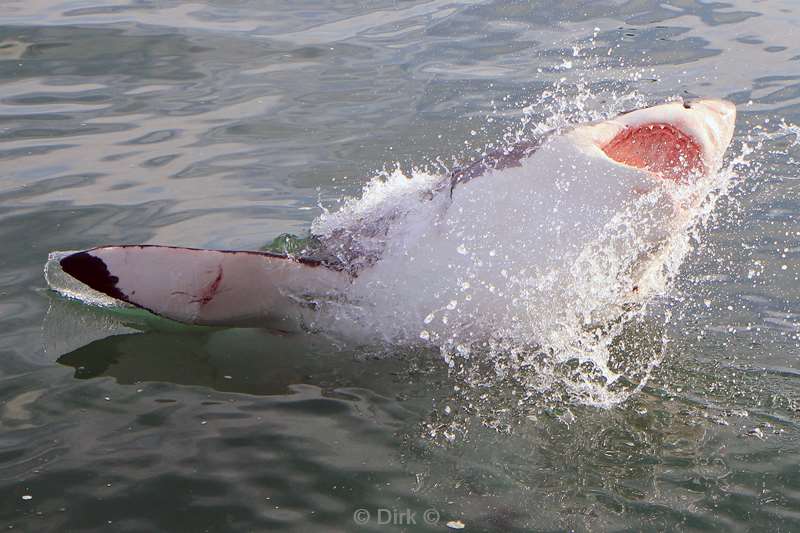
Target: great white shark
[(461, 245)]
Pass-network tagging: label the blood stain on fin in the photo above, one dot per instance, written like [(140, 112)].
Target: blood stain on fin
[(210, 291), (92, 271), (659, 148)]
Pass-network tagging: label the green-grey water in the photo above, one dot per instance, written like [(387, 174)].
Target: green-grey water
[(224, 124)]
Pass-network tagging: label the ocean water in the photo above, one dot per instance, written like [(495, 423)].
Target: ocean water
[(224, 124)]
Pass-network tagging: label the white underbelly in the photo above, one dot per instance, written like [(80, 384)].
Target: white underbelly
[(565, 232)]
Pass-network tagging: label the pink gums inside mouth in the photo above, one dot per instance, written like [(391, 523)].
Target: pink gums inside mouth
[(659, 148)]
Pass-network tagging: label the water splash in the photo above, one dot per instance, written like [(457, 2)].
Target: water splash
[(513, 382), (586, 330)]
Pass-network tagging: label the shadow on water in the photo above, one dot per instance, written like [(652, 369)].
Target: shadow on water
[(133, 346)]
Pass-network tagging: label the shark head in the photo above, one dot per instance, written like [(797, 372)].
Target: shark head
[(680, 141)]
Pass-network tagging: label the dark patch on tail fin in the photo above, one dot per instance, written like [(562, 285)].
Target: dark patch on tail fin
[(92, 271)]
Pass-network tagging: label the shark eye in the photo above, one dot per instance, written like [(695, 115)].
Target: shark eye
[(687, 105), (659, 148)]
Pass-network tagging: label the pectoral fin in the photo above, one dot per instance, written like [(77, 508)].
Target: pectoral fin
[(209, 287)]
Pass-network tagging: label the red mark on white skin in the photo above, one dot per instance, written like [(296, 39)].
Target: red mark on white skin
[(211, 290), (659, 148)]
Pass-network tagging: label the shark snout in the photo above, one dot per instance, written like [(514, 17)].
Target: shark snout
[(719, 119), (725, 109)]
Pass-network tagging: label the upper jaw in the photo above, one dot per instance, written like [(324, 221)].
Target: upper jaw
[(709, 122)]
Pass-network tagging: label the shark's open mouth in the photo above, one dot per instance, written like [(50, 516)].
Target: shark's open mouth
[(660, 148)]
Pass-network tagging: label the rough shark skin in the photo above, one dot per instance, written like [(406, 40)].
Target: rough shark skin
[(613, 160)]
